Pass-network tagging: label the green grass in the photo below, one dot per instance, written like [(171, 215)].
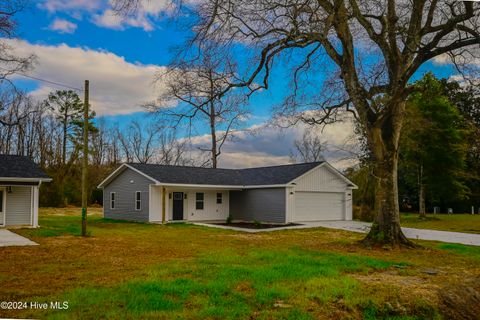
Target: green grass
[(226, 285), (181, 271), (455, 222), (470, 251)]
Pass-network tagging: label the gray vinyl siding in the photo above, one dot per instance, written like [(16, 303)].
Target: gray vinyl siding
[(267, 205), (19, 206), (125, 196)]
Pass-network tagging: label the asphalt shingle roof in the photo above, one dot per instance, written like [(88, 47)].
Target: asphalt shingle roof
[(19, 167), (233, 177)]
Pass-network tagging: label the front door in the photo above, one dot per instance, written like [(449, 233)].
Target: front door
[(178, 206), (2, 206)]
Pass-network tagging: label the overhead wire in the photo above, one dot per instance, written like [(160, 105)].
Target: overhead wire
[(43, 80)]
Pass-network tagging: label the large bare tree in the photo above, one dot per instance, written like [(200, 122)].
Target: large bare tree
[(374, 47), (198, 90)]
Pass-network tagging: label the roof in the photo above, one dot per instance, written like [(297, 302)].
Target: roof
[(20, 167), (261, 176), (232, 177)]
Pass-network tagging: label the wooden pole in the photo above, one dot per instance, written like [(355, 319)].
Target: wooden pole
[(85, 160)]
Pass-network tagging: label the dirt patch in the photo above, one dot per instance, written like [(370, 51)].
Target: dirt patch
[(462, 300), (251, 225)]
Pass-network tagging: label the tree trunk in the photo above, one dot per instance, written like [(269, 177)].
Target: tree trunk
[(213, 135), (421, 195), (64, 145), (384, 140)]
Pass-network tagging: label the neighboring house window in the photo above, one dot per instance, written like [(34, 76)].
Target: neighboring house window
[(199, 201), (138, 200), (112, 200), (219, 198)]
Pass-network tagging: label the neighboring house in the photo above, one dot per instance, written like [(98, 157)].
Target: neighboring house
[(279, 194), (20, 179)]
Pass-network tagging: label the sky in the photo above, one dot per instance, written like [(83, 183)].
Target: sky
[(74, 40)]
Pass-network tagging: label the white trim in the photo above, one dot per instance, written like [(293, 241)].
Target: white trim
[(36, 198), (114, 200), (14, 179), (204, 186), (351, 185), (4, 204), (138, 192)]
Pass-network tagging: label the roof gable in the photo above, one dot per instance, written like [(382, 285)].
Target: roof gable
[(21, 167)]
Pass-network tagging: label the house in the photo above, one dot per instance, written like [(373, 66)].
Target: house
[(278, 194), (20, 179)]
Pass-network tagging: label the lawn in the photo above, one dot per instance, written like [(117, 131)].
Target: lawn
[(180, 271), (454, 222)]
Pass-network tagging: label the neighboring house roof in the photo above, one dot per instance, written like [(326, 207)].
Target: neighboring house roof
[(262, 176), (20, 168)]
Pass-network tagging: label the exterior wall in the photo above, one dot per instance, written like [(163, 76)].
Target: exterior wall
[(320, 179), (211, 209), (19, 206), (125, 185), (267, 205)]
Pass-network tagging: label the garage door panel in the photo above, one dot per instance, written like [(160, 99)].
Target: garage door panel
[(317, 206)]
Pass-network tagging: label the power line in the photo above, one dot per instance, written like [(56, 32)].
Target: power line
[(43, 80)]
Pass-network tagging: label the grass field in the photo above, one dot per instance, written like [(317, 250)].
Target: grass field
[(133, 270), (454, 222)]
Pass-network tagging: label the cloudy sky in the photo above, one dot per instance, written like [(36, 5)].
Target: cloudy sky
[(75, 40)]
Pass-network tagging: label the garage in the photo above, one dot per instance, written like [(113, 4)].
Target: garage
[(318, 206)]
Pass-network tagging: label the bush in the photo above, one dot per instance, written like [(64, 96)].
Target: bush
[(229, 219)]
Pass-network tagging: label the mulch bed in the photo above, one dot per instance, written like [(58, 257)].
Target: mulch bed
[(250, 225)]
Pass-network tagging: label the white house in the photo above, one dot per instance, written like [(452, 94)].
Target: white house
[(20, 180), (278, 194)]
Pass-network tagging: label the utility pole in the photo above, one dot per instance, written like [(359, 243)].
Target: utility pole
[(85, 160)]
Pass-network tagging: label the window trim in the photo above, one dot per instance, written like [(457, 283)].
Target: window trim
[(112, 201), (138, 201), (200, 201), (219, 197)]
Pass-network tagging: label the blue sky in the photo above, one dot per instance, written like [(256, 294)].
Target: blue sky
[(78, 39)]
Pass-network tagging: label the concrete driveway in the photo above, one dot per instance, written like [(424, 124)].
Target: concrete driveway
[(8, 238), (411, 233)]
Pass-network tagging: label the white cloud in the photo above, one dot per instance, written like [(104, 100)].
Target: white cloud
[(53, 6), (109, 19), (63, 26), (116, 85), (263, 145)]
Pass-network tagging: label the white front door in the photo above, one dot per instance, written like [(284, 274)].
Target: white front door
[(3, 198)]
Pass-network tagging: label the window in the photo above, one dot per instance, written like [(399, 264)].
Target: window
[(112, 200), (199, 201), (1, 201), (138, 200), (219, 198)]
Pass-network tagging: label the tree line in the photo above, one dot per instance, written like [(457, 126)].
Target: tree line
[(439, 159)]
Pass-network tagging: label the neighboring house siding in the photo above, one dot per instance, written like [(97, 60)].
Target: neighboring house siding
[(266, 205), (19, 206), (125, 196)]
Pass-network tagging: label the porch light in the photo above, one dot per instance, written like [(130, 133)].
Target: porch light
[(184, 196), (9, 189), (170, 196)]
